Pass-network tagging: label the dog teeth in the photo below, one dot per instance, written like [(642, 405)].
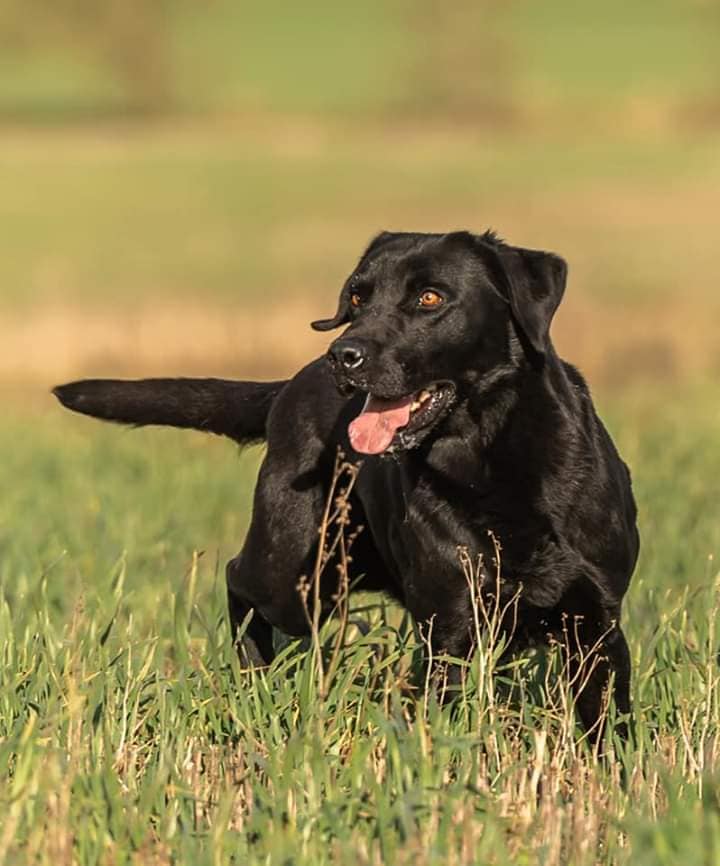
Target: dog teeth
[(422, 397)]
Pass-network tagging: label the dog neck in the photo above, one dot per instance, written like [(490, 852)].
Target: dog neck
[(493, 408)]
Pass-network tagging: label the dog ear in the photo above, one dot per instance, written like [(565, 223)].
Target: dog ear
[(535, 284), (342, 316)]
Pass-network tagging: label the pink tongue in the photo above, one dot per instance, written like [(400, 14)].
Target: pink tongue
[(374, 428)]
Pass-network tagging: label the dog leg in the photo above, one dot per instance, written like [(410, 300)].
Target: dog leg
[(264, 578), (290, 500), (447, 632), (591, 667), (256, 646)]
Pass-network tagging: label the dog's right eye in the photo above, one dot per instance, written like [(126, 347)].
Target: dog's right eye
[(355, 300), (430, 298)]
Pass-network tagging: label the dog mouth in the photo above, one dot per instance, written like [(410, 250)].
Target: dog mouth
[(388, 425)]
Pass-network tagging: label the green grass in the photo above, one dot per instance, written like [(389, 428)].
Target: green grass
[(128, 733)]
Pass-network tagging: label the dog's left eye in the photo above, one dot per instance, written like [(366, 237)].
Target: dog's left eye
[(430, 298)]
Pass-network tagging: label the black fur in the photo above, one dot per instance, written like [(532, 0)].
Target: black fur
[(518, 451), (237, 410)]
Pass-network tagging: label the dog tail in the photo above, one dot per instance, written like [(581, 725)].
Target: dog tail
[(237, 410)]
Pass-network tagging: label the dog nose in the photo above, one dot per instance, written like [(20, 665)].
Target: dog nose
[(347, 354)]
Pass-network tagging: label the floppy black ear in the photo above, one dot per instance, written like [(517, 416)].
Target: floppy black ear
[(535, 284), (342, 316)]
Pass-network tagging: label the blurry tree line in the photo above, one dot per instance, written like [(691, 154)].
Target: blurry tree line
[(460, 62), (466, 57), (127, 39)]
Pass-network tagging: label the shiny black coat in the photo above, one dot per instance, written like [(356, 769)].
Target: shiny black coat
[(520, 458)]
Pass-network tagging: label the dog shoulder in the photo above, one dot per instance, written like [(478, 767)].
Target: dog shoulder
[(309, 415)]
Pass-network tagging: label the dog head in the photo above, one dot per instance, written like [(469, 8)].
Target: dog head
[(430, 315)]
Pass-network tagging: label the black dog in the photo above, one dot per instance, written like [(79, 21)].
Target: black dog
[(468, 424)]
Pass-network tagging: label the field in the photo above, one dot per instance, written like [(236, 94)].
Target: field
[(198, 233), (129, 733)]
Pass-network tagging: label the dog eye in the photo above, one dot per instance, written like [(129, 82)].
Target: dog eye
[(430, 298), (355, 300)]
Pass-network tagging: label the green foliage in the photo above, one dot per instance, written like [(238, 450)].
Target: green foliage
[(478, 59)]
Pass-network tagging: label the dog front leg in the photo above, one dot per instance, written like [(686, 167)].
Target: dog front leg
[(255, 647), (591, 665), (448, 636)]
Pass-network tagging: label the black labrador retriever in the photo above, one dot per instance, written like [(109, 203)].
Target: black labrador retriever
[(469, 428)]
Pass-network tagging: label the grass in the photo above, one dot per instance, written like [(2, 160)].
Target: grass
[(129, 734)]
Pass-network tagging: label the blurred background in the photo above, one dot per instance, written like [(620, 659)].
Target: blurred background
[(184, 185)]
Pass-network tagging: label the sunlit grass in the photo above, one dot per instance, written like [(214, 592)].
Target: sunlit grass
[(129, 733)]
